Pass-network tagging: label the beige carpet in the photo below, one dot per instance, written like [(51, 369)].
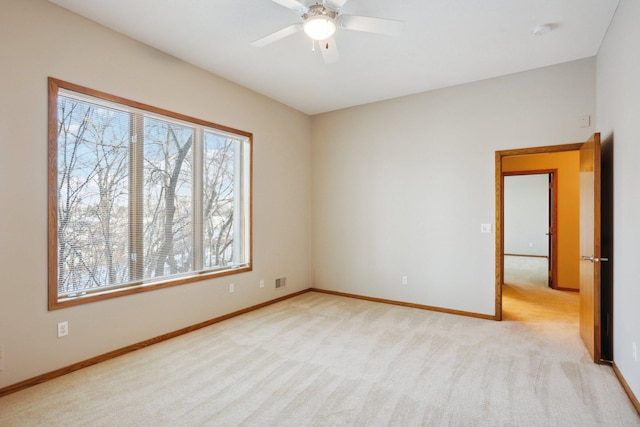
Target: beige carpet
[(526, 270), (323, 360)]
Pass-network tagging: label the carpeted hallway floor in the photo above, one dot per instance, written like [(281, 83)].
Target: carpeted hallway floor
[(323, 360), (526, 270)]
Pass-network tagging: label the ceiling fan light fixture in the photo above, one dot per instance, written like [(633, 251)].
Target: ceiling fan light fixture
[(319, 27)]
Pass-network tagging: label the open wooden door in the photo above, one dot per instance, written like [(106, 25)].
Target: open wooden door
[(590, 246)]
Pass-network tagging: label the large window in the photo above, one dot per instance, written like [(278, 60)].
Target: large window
[(141, 198)]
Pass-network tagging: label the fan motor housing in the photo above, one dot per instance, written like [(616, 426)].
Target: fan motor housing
[(319, 10)]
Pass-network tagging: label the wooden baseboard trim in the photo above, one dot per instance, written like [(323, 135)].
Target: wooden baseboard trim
[(566, 289), (625, 385), (528, 256), (133, 347), (408, 304)]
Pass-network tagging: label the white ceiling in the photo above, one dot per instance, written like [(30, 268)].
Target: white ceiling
[(444, 43)]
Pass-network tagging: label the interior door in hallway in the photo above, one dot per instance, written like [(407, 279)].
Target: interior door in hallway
[(590, 246)]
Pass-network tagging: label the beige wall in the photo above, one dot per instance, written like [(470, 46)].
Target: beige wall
[(401, 187), (568, 208), (619, 122), (37, 40)]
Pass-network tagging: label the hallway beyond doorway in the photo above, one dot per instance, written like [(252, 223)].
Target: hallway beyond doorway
[(526, 270), (526, 296)]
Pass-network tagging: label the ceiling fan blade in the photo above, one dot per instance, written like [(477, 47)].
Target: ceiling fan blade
[(389, 27), (329, 50), (334, 4), (280, 34), (293, 5)]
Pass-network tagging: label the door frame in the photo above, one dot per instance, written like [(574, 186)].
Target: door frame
[(499, 156), (552, 220)]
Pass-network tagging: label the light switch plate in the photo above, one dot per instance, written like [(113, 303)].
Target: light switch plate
[(485, 228), (585, 121)]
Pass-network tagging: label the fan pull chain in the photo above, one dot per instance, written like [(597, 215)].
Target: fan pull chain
[(313, 45)]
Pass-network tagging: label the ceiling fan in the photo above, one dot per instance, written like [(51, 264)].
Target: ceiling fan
[(320, 22)]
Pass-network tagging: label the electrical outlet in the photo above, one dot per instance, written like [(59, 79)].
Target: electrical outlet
[(262, 283), (232, 288), (63, 329), (405, 280)]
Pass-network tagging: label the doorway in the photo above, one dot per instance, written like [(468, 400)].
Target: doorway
[(502, 168), (592, 307), (530, 218)]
